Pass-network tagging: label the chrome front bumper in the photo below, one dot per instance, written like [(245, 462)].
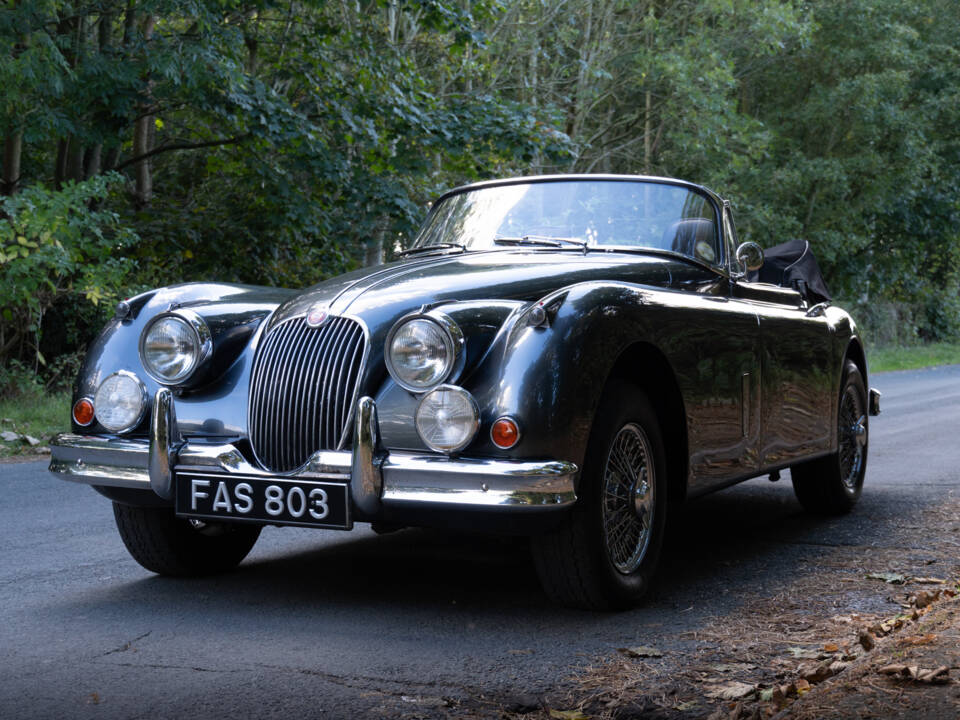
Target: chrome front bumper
[(377, 478)]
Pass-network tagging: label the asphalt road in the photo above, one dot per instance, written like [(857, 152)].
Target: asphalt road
[(334, 625)]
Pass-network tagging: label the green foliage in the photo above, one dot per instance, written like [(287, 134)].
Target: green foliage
[(55, 245), (283, 142)]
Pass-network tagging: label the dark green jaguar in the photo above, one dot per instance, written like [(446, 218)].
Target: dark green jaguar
[(564, 357)]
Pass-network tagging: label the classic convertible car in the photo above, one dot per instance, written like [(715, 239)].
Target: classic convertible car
[(564, 357)]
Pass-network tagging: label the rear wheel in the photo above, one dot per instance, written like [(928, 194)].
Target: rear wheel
[(604, 554), (832, 485), (167, 545)]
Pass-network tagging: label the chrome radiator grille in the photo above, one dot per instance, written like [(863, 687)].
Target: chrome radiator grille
[(302, 390)]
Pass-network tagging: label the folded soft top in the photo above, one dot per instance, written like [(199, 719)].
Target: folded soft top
[(793, 265)]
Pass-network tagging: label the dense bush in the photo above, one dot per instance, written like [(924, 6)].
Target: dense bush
[(57, 247)]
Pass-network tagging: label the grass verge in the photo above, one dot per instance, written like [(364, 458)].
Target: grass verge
[(38, 415), (913, 358)]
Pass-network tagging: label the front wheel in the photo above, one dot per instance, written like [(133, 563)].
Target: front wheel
[(604, 554), (167, 545), (832, 485)]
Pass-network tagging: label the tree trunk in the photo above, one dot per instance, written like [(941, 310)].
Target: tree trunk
[(12, 149), (143, 175), (75, 160), (647, 140), (111, 159), (91, 161), (60, 169), (373, 254)]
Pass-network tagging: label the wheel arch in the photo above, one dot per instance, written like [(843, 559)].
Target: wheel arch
[(645, 366), (856, 354)]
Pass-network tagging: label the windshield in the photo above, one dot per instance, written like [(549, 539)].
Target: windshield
[(599, 213)]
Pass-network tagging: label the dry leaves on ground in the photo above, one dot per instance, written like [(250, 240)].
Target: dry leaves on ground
[(640, 651), (935, 676)]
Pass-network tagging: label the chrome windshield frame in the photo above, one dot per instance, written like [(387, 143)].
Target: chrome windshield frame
[(721, 266)]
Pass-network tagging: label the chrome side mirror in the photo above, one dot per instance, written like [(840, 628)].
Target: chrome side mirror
[(750, 256)]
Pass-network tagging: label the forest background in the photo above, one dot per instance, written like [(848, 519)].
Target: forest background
[(148, 142)]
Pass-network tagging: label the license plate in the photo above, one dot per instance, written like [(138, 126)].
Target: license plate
[(276, 501)]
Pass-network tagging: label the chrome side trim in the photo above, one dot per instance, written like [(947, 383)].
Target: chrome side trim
[(424, 480), (165, 442)]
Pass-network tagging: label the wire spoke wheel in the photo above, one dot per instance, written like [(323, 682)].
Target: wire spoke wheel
[(628, 498), (853, 436), (832, 484)]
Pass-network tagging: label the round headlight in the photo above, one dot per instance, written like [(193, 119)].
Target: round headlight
[(421, 353), (120, 401), (447, 419), (172, 347)]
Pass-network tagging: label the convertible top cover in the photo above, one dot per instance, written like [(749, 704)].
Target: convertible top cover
[(793, 265)]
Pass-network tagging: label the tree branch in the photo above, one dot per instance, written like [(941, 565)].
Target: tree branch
[(181, 146)]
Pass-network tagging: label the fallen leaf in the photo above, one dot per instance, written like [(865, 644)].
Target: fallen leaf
[(732, 667), (799, 652), (427, 701), (733, 690), (928, 581), (684, 706), (934, 676), (888, 577), (641, 651), (815, 672), (922, 599), (568, 715), (831, 648), (919, 639), (802, 686), (521, 652)]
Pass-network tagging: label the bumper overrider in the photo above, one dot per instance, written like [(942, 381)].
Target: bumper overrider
[(377, 479)]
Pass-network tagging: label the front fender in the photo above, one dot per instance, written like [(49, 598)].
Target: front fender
[(551, 377), (233, 313)]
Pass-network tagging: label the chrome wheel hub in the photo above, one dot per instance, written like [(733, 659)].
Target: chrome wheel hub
[(629, 496), (853, 437)]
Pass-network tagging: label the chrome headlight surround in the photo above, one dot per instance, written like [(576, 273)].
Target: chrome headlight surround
[(427, 413), (135, 419), (202, 350), (453, 349)]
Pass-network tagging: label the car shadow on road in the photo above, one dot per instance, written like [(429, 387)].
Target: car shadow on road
[(753, 536)]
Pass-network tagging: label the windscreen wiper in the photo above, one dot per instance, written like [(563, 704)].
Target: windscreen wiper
[(540, 240), (431, 248)]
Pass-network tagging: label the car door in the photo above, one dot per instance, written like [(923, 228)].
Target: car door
[(797, 378), (796, 371), (717, 350)]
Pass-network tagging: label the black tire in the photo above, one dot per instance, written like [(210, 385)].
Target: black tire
[(167, 545), (832, 485), (578, 564)]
